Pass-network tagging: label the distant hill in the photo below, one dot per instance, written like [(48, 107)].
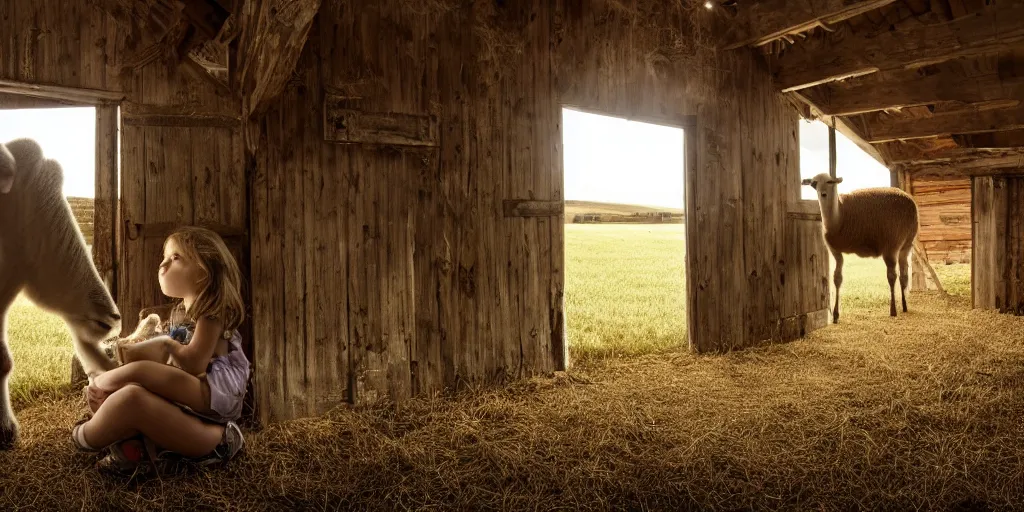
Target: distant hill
[(576, 207)]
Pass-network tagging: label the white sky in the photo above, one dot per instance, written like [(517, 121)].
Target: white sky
[(617, 161), (67, 135), (606, 159)]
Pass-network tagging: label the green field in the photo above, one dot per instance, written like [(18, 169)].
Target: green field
[(638, 308), (625, 294)]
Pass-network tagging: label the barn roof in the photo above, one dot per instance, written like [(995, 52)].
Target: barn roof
[(932, 87)]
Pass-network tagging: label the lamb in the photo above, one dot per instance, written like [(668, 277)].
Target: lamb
[(43, 254), (870, 223)]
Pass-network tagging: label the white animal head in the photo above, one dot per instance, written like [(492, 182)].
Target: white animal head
[(43, 249), (824, 184)]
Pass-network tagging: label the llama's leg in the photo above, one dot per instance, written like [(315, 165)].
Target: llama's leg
[(837, 277), (904, 278), (8, 425), (890, 273)]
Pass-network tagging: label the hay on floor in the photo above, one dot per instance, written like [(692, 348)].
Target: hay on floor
[(921, 411)]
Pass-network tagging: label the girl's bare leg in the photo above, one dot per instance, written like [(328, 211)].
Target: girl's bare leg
[(132, 410), (166, 381)]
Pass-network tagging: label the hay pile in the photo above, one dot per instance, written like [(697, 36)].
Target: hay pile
[(924, 411)]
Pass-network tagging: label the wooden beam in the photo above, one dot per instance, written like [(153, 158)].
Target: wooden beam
[(206, 15), (918, 90), (345, 123), (832, 148), (273, 35), (991, 140), (181, 120), (998, 164), (884, 128), (843, 126), (531, 208), (993, 29), (68, 94), (956, 155), (758, 23)]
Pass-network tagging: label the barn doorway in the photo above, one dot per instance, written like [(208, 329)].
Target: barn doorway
[(625, 270), (39, 340), (944, 205)]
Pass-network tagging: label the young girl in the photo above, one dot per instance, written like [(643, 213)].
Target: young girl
[(208, 374)]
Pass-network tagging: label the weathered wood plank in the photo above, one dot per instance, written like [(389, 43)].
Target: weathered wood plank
[(273, 35), (884, 128), (181, 120), (532, 208), (760, 22), (80, 96), (993, 29), (351, 126), (105, 223), (922, 90)]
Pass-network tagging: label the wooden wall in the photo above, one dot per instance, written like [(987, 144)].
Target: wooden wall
[(944, 205), (182, 159), (998, 247), (653, 61), (386, 263)]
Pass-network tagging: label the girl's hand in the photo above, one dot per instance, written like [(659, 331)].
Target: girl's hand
[(95, 396)]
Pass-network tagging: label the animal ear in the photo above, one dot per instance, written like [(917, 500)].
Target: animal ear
[(807, 181), (837, 180), (7, 165)]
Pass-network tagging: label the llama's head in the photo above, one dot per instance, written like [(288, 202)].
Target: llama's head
[(824, 184), (42, 249)]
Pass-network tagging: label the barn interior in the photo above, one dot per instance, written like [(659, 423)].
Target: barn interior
[(389, 176)]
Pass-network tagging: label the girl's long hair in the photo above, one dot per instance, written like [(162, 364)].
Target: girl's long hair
[(221, 295)]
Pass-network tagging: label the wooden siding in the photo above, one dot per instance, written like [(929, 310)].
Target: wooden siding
[(944, 206), (387, 264), (997, 281)]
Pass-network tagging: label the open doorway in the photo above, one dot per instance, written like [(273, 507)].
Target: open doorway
[(39, 340), (625, 271), (944, 217)]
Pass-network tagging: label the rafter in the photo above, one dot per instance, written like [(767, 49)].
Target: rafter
[(843, 126), (273, 35), (991, 30), (758, 23), (960, 156), (912, 91), (883, 128), (1000, 163)]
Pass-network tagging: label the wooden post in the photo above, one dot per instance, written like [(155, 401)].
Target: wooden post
[(832, 149)]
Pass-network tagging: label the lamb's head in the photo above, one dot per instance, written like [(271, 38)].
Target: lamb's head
[(824, 184), (44, 251)]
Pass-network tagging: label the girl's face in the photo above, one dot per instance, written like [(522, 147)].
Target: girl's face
[(179, 277)]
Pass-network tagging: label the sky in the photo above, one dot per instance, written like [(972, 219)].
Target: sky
[(606, 159), (617, 161), (67, 135)]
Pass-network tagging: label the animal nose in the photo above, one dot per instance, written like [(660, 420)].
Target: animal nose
[(115, 317)]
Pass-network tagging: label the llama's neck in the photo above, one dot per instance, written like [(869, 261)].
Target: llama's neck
[(830, 215)]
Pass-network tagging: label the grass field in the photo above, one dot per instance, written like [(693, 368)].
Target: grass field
[(625, 288)]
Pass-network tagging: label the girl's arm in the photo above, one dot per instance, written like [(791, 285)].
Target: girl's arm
[(153, 349), (194, 357)]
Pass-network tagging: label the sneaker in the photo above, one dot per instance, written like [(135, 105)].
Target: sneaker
[(230, 445)]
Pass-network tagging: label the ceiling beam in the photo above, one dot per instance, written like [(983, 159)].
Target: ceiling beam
[(1006, 163), (883, 128), (914, 91), (991, 140), (843, 126), (993, 29), (964, 157), (758, 23), (273, 35)]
